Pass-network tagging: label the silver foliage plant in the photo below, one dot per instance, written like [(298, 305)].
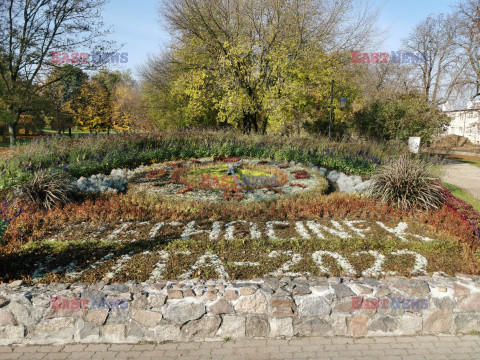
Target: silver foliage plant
[(408, 183)]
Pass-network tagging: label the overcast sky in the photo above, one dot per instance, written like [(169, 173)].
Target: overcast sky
[(136, 24)]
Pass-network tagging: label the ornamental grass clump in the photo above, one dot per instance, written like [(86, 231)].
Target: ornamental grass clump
[(409, 184), (47, 188)]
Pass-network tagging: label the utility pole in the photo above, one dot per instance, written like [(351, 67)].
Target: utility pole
[(331, 109)]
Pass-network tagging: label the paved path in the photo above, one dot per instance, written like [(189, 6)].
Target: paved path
[(465, 176), (384, 348)]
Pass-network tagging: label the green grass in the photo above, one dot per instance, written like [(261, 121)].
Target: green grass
[(464, 195)]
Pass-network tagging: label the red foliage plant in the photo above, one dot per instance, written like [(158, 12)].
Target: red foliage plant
[(157, 173), (301, 174)]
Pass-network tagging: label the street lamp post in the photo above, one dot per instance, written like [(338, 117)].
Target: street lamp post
[(342, 103)]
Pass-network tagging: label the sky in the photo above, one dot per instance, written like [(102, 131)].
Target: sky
[(136, 24)]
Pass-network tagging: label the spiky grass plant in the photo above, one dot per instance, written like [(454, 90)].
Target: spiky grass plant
[(47, 188), (409, 184)]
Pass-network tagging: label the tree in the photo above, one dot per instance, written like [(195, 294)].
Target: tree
[(63, 90), (253, 63), (106, 101), (468, 12), (93, 107), (30, 31), (437, 38), (400, 117)]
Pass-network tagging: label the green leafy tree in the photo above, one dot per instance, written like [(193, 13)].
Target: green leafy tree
[(63, 90), (252, 64), (30, 31), (400, 117)]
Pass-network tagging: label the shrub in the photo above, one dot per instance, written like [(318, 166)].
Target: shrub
[(409, 184), (47, 188), (399, 118)]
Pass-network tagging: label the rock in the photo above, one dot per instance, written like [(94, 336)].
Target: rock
[(311, 327), (256, 304), (438, 321), (357, 325), (16, 283), (181, 312), (459, 290), (148, 319), (117, 287), (118, 316), (413, 288), (281, 327), (342, 291), (362, 289), (4, 302), (140, 301), (135, 331), (333, 176), (323, 171), (466, 323), (245, 291), (114, 333), (59, 313), (156, 301), (188, 293), (221, 307), (230, 295), (6, 318), (301, 290), (257, 327), (445, 302), (11, 334), (313, 305), (206, 327), (27, 316), (233, 327), (410, 324), (382, 291), (271, 283), (166, 332), (86, 330), (174, 294), (471, 303), (211, 294), (97, 316), (383, 324), (59, 329)]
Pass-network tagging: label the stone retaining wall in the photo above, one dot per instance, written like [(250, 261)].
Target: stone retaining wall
[(199, 310)]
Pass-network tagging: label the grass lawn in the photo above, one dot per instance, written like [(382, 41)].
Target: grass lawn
[(464, 195)]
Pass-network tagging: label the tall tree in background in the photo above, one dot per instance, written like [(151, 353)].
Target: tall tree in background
[(102, 103), (64, 88), (437, 38), (254, 63), (29, 31), (469, 42)]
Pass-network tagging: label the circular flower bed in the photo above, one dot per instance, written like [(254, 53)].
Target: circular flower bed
[(228, 179)]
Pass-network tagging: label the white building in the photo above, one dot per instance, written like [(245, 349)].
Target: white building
[(466, 122)]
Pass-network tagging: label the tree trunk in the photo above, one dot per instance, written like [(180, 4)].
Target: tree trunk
[(12, 131), (70, 132)]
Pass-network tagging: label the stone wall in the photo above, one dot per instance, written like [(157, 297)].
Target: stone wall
[(198, 310)]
